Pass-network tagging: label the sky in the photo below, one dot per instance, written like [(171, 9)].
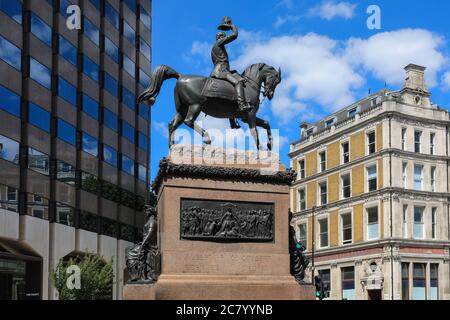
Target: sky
[(328, 55)]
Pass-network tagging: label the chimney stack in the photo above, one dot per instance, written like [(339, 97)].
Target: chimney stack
[(415, 78)]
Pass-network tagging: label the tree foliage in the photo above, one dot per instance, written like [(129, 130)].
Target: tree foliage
[(96, 278)]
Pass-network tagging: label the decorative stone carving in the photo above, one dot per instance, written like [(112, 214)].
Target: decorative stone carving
[(225, 221), (169, 169), (374, 277)]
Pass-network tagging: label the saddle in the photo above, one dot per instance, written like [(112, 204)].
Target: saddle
[(218, 88)]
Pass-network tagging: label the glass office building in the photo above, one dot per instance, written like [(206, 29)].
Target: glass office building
[(74, 142)]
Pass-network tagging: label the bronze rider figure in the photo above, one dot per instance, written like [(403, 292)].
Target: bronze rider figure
[(222, 63)]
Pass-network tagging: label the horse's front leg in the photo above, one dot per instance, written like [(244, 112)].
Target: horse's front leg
[(193, 113), (265, 124), (252, 125)]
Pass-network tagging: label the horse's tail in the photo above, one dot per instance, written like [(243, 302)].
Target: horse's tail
[(159, 75)]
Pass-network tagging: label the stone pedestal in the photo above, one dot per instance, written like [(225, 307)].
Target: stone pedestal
[(228, 263)]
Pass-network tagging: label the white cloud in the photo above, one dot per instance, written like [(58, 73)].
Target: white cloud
[(161, 128), (199, 49), (446, 80), (386, 54), (313, 69), (282, 20), (286, 3), (329, 10), (320, 71)]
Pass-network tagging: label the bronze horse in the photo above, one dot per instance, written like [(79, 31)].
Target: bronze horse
[(190, 101)]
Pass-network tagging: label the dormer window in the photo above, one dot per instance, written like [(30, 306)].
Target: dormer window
[(329, 122), (352, 112), (309, 132)]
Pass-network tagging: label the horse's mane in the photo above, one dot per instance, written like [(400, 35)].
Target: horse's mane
[(254, 68)]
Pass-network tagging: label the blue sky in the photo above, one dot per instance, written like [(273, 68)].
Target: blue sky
[(328, 55)]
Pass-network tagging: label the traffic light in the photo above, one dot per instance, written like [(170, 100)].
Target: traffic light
[(320, 294)]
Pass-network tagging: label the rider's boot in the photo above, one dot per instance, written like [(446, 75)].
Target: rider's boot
[(242, 103)]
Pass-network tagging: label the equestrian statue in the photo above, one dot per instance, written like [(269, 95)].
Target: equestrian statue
[(225, 94)]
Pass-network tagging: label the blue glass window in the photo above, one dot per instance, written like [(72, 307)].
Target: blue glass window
[(39, 117), (96, 3), (144, 111), (145, 49), (110, 120), (129, 66), (91, 31), (67, 132), (63, 7), (9, 149), (128, 98), (9, 101), (41, 30), (111, 84), (67, 50), (142, 173), (112, 15), (127, 131), (10, 53), (12, 8), (38, 161), (131, 4), (144, 79), (90, 144), (129, 33), (90, 68), (40, 73), (90, 106), (111, 49), (127, 165), (67, 91), (110, 155), (145, 18), (143, 141)]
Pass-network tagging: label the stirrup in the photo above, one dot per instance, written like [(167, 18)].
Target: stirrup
[(245, 107)]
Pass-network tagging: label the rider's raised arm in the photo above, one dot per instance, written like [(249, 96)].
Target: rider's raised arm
[(233, 36)]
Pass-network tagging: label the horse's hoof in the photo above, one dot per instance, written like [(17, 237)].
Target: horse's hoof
[(269, 146)]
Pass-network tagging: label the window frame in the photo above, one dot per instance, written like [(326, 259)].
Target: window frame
[(322, 163), (345, 154), (422, 223), (432, 143), (368, 224), (342, 229), (320, 194), (368, 167), (371, 144), (421, 166), (433, 181), (418, 144), (343, 188), (405, 221), (404, 133), (320, 233), (299, 202), (301, 168), (299, 236), (434, 222)]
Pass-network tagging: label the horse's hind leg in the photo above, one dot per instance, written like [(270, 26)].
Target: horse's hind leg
[(193, 113), (173, 125)]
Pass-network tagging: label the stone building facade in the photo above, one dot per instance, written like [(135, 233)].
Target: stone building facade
[(74, 143), (372, 195)]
